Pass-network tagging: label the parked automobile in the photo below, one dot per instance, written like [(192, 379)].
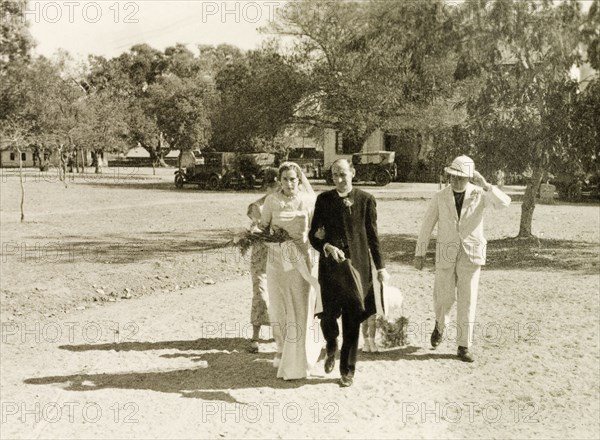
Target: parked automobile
[(224, 170), (254, 165), (575, 187), (378, 167), (212, 170)]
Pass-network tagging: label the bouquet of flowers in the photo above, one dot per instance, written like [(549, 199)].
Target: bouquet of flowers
[(245, 240), (393, 331)]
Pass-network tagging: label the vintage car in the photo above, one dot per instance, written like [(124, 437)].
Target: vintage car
[(218, 170), (378, 167)]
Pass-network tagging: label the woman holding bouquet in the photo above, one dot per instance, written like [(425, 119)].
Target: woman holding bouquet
[(292, 286)]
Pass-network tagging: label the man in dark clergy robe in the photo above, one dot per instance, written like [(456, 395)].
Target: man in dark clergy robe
[(344, 231)]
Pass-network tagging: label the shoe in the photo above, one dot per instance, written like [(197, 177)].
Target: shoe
[(329, 362), (436, 336), (276, 360), (253, 347), (346, 381), (464, 355), (374, 347)]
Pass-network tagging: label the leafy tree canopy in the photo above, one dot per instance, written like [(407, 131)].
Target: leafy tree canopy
[(258, 96), (367, 61)]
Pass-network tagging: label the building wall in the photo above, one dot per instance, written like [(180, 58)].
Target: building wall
[(10, 159), (373, 143)]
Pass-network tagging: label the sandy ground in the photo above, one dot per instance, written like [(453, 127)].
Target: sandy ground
[(83, 357)]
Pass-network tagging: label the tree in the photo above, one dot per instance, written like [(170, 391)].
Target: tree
[(63, 108), (128, 76), (180, 106), (15, 52), (215, 58), (15, 40), (167, 96), (258, 96), (586, 130), (104, 128), (368, 61), (590, 34), (521, 117), (27, 93)]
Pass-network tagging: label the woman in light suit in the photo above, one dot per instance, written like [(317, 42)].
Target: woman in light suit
[(460, 250)]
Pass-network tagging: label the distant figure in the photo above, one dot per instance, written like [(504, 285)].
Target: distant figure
[(458, 212), (500, 177), (259, 314), (36, 156)]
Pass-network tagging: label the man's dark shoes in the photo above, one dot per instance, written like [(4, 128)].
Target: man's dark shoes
[(436, 336), (329, 362), (346, 380), (464, 355)]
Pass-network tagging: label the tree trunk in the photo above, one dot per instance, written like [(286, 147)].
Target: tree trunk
[(76, 160), (160, 159), (42, 158), (84, 156), (98, 155), (529, 202), (60, 163), (156, 157), (70, 159), (21, 182), (160, 151), (62, 154)]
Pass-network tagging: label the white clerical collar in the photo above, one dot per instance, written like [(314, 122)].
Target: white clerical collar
[(344, 194)]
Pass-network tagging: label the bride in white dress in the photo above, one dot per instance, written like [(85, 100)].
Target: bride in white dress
[(291, 275)]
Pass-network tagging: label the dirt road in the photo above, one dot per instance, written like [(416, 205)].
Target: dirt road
[(172, 361), (176, 366)]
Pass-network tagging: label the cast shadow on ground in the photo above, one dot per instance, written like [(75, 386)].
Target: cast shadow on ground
[(215, 372), (547, 254), (164, 186), (132, 248), (508, 253), (140, 184), (239, 346), (222, 344), (408, 353), (127, 179), (227, 367)]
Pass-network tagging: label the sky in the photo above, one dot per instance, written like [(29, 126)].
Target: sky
[(111, 27)]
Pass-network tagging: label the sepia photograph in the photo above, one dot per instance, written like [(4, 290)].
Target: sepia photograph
[(315, 219)]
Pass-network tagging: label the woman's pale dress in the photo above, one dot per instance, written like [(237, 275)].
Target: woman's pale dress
[(292, 285)]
